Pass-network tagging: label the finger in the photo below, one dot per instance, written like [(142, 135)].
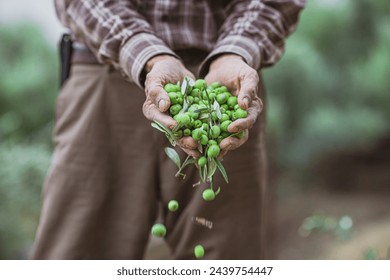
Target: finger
[(188, 143), (248, 89), (232, 143), (189, 74), (210, 79), (253, 112), (152, 113), (155, 92)]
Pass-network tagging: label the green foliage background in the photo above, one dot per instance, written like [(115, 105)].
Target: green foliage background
[(329, 92)]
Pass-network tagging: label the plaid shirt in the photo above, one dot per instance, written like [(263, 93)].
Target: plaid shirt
[(127, 33)]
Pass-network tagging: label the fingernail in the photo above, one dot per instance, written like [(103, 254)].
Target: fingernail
[(162, 104)]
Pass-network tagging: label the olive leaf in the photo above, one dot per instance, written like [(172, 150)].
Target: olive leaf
[(185, 105), (222, 170), (204, 116), (201, 110), (161, 127), (156, 126), (212, 167), (201, 172), (168, 133), (217, 109), (172, 154), (184, 86), (205, 173)]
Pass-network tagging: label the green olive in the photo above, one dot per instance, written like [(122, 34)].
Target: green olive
[(171, 88), (208, 195), (241, 134), (221, 98), (187, 132), (215, 85), (173, 205), (225, 107), (174, 98), (225, 134), (200, 84), (220, 90), (232, 101), (202, 161), (223, 89), (178, 134), (190, 99), (225, 125), (199, 251), (159, 230), (213, 151), (212, 96), (198, 123), (180, 98), (204, 139), (175, 109), (196, 134), (214, 116), (195, 93), (183, 119), (229, 113), (241, 113), (224, 117), (205, 96), (212, 142), (215, 131)]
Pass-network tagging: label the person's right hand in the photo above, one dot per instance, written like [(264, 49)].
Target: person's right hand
[(163, 69)]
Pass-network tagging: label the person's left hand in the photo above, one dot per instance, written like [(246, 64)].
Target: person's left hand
[(163, 69), (231, 71)]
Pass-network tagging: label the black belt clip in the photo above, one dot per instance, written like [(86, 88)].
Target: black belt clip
[(65, 49)]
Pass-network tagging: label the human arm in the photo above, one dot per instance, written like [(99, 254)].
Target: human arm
[(115, 32), (251, 37)]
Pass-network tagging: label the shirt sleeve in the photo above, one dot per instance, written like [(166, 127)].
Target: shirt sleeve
[(256, 30), (114, 31)]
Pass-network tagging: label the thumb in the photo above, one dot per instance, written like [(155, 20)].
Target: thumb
[(162, 100), (248, 90)]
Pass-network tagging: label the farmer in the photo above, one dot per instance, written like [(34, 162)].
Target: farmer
[(109, 178)]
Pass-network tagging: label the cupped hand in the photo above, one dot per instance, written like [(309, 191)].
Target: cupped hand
[(161, 70), (242, 80)]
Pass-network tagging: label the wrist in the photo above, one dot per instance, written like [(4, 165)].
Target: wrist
[(158, 58), (223, 58)]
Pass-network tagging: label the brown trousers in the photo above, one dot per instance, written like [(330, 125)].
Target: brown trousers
[(109, 174)]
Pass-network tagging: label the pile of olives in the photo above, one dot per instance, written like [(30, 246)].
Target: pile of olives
[(204, 112)]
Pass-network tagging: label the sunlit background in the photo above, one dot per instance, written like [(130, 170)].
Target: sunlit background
[(328, 130)]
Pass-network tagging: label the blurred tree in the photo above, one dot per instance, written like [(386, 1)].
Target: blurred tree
[(28, 83), (331, 89), (22, 172), (28, 86)]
